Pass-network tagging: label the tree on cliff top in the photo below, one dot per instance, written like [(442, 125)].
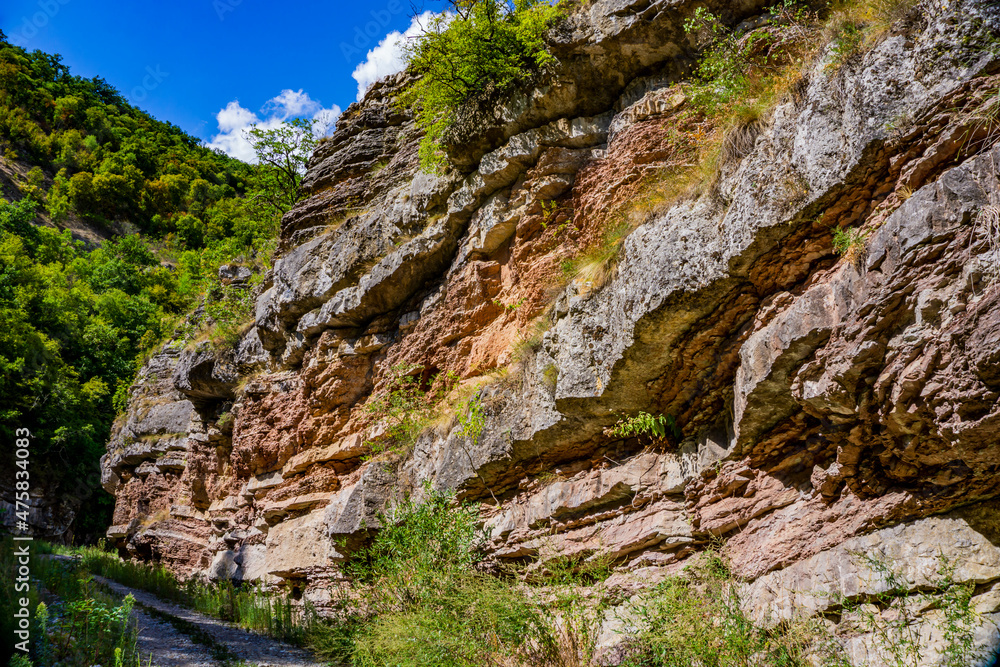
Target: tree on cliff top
[(282, 155), (477, 46)]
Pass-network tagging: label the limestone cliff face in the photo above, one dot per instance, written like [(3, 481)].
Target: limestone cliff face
[(824, 405)]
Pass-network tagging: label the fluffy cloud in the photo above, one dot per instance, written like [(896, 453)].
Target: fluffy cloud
[(235, 120), (387, 58), (294, 103)]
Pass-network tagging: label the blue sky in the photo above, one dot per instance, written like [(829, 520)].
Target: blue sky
[(184, 61)]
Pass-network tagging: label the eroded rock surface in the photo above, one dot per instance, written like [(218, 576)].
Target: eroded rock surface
[(823, 405)]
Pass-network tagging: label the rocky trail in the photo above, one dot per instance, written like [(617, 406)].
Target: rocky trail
[(179, 637), (165, 646), (172, 636)]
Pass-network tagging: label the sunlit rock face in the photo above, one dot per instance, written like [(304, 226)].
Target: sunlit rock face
[(824, 405)]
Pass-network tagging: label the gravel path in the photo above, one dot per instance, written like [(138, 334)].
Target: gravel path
[(172, 647), (168, 646)]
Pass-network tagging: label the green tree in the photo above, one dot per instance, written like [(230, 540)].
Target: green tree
[(282, 155), (75, 322), (480, 46)]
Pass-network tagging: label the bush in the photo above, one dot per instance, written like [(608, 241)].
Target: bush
[(890, 618), (850, 243), (696, 619), (480, 46), (645, 424), (404, 407), (736, 66), (231, 308), (426, 603)]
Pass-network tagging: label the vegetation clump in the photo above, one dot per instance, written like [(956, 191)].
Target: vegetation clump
[(73, 623), (249, 607), (737, 67), (696, 619), (850, 243), (659, 426), (479, 47), (889, 617), (424, 601), (397, 414)]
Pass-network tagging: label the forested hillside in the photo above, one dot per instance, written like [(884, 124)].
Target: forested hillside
[(75, 319)]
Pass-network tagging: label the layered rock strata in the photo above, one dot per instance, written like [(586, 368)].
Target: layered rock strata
[(824, 405)]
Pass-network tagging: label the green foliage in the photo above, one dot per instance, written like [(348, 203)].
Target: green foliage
[(78, 627), (404, 407), (849, 242), (645, 424), (890, 616), (76, 322), (72, 321), (415, 542), (282, 153), (847, 43), (249, 607), (480, 47), (856, 25), (114, 161), (424, 602), (471, 418), (576, 570), (733, 65), (90, 631), (20, 660), (231, 307), (696, 619)]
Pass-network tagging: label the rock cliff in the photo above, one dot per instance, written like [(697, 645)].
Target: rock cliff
[(823, 405)]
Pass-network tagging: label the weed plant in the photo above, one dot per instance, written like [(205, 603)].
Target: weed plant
[(422, 600), (73, 624), (249, 607), (406, 405), (889, 618), (696, 619)]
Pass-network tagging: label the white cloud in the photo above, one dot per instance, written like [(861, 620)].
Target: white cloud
[(388, 57), (234, 116), (294, 104), (235, 120)]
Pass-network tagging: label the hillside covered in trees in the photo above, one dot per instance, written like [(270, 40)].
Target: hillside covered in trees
[(75, 155)]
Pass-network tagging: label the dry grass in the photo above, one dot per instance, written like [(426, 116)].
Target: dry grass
[(739, 140), (156, 517), (728, 132), (856, 26), (529, 340), (988, 226), (983, 122)]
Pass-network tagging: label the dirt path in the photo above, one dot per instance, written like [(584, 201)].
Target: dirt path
[(179, 637), (167, 646)]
